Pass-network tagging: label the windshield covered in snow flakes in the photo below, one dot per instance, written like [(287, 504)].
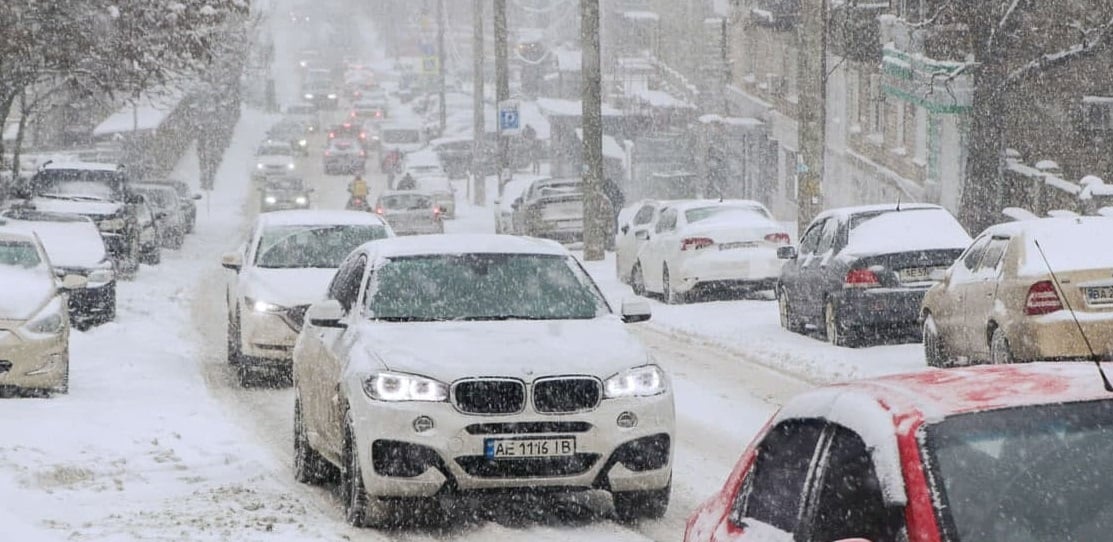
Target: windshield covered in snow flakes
[(286, 247), (406, 202), (19, 254), (1025, 474), (483, 287)]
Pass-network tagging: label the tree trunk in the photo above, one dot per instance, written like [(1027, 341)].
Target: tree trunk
[(24, 113), (5, 108)]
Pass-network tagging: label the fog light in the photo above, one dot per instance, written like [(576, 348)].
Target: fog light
[(423, 424), (627, 420)]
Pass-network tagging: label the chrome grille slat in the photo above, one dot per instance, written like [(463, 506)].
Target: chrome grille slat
[(562, 395), (489, 396)]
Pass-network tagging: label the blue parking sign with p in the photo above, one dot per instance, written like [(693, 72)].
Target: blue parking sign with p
[(509, 119)]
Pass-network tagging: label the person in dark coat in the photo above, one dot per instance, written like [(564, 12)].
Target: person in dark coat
[(617, 201)]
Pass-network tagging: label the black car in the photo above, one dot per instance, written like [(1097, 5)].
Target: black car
[(861, 271), (186, 198), (98, 191), (75, 247)]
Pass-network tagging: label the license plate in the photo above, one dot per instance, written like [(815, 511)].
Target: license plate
[(1099, 295), (526, 448), (738, 244), (915, 274)]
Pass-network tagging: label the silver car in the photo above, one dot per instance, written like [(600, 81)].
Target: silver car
[(410, 212)]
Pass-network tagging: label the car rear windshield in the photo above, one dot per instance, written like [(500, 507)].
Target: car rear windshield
[(287, 247), (401, 136), (483, 287), (291, 185), (78, 184), (406, 202), (19, 254), (906, 231), (724, 212), (1020, 474)]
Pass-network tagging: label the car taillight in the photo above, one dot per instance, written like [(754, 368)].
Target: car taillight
[(378, 210), (778, 238), (361, 153), (328, 153), (860, 278), (696, 243), (1042, 299), (331, 135), (378, 114), (363, 135)]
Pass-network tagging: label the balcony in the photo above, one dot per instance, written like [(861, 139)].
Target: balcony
[(778, 14)]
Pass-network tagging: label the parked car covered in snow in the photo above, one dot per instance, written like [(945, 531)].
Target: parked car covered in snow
[(34, 322), (1016, 292), (704, 245), (164, 202), (861, 271), (980, 453), (186, 198), (75, 247), (551, 209), (410, 212), (477, 363), (280, 269), (504, 204), (444, 194)]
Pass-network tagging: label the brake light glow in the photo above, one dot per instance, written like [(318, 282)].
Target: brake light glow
[(378, 210), (696, 243), (328, 153), (861, 278), (778, 238), (361, 153), (363, 135), (1042, 299), (331, 135)]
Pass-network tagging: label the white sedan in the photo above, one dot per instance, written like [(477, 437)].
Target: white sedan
[(460, 363), (708, 245), (281, 269)]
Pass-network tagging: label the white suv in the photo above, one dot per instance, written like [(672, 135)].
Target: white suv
[(285, 265), (444, 364)]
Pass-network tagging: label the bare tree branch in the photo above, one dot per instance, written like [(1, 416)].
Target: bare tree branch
[(1002, 24), (1093, 41)]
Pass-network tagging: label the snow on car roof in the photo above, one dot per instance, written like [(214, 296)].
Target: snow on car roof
[(69, 242), (921, 228), (1070, 243), (848, 211), (683, 205), (317, 218), (464, 244)]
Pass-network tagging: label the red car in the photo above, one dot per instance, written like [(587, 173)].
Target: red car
[(987, 453)]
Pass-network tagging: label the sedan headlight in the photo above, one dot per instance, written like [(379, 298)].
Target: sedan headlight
[(643, 381), (404, 387), (301, 200), (291, 165), (308, 96), (112, 224), (101, 276), (270, 200), (302, 142), (332, 96), (50, 320), (259, 165), (263, 306)]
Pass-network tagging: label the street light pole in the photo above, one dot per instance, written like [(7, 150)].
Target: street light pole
[(502, 87), (596, 212), (443, 114), (479, 194), (812, 122)]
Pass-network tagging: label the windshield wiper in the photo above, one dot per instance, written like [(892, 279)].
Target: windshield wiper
[(72, 197), (406, 319), (502, 317)]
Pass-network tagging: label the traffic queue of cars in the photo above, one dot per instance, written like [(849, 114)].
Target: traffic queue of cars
[(73, 230)]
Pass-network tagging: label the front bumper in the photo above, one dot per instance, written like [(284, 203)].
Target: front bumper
[(1055, 336), (398, 461), (92, 303), (267, 336), (879, 307), (735, 267), (30, 360)]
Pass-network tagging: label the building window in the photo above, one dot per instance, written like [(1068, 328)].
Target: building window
[(1097, 113), (876, 102), (853, 100)]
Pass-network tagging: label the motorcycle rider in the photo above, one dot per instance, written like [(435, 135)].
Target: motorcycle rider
[(357, 190)]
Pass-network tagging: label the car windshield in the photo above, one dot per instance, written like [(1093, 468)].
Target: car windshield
[(724, 212), (78, 184), (483, 287), (285, 247), (286, 185), (401, 136), (274, 150), (1024, 474), (19, 254), (163, 199), (406, 202)]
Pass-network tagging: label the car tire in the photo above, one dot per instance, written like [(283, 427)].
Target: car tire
[(109, 312), (837, 334), (360, 509), (178, 240), (999, 351), (151, 257), (671, 296), (789, 320), (935, 352), (634, 505), (245, 373), (235, 354), (63, 387), (637, 280), (309, 466)]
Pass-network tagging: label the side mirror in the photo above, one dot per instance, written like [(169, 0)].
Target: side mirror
[(642, 235), (74, 282), (787, 253), (197, 196), (161, 215), (133, 199), (232, 260), (497, 202), (635, 310), (938, 275), (327, 313)]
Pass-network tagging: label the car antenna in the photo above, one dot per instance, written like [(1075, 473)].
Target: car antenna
[(1090, 347), (898, 202)]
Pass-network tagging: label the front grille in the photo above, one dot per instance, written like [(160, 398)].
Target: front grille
[(5, 366), (526, 428), (489, 396), (295, 316), (541, 467), (561, 395)]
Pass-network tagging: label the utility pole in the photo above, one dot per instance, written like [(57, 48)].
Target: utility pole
[(480, 192), (595, 208), (440, 63), (812, 122), (502, 87)]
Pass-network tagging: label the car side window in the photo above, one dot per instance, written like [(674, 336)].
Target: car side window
[(811, 238), (850, 500), (667, 221), (974, 254), (345, 285), (994, 252), (774, 488), (644, 215), (827, 239)]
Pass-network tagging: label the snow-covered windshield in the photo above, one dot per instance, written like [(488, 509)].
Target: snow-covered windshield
[(19, 254), (482, 287), (77, 184), (1025, 474), (286, 247), (162, 199)]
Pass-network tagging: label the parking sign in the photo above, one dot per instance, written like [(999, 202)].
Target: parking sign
[(510, 121)]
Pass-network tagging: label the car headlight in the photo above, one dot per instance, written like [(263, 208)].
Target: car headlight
[(303, 64), (259, 165), (301, 200), (643, 381), (112, 224), (308, 96), (270, 200), (263, 306), (101, 276), (50, 320), (302, 142), (404, 387), (290, 165), (332, 96)]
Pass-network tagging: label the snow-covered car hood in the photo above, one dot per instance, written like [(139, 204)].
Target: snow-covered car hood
[(449, 351), (286, 287), (75, 207), (25, 291)]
